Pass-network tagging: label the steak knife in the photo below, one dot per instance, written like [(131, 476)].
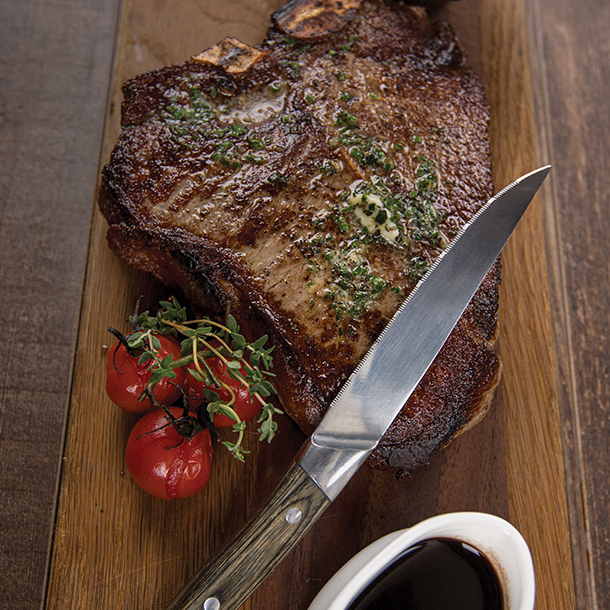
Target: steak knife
[(365, 407)]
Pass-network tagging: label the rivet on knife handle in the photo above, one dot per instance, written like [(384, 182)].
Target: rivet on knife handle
[(229, 579)]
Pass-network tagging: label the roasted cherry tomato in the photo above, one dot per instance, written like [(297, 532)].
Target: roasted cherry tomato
[(126, 380), (244, 406), (165, 464)]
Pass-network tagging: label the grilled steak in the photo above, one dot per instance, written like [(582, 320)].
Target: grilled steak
[(308, 183)]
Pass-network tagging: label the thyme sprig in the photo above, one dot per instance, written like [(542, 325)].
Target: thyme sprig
[(201, 339)]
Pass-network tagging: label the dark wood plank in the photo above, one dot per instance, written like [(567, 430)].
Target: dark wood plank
[(55, 64), (573, 48)]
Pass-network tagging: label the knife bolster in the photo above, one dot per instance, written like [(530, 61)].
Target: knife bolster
[(330, 467)]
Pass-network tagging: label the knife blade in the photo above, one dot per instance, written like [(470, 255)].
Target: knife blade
[(365, 407)]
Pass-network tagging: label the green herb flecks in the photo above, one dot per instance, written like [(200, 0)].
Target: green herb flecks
[(294, 68), (188, 115), (278, 178), (345, 47), (192, 117), (413, 213), (366, 151), (408, 221), (422, 217), (354, 283)]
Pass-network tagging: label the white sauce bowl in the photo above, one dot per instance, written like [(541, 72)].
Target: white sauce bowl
[(497, 539)]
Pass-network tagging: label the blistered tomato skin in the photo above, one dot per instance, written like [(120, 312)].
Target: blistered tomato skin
[(161, 464), (244, 406), (126, 380)]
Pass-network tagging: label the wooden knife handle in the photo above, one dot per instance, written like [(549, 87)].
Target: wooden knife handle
[(229, 579)]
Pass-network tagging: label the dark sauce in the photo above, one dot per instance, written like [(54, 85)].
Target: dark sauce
[(435, 574)]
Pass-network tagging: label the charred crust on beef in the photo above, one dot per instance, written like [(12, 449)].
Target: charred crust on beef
[(309, 182), (310, 19)]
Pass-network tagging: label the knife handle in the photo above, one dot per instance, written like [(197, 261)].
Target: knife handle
[(230, 577)]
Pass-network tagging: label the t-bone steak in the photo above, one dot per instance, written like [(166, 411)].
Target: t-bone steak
[(308, 183)]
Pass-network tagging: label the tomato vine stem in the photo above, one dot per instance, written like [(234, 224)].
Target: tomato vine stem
[(203, 339)]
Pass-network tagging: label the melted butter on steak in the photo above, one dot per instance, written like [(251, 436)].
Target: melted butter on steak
[(310, 184)]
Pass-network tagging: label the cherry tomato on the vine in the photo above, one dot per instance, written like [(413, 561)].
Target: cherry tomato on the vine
[(165, 464), (126, 380), (245, 407)]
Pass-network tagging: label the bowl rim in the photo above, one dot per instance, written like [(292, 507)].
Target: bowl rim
[(493, 536)]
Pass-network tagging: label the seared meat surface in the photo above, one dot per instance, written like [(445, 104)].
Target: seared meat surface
[(308, 183)]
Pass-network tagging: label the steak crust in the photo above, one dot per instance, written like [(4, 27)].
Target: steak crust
[(308, 183)]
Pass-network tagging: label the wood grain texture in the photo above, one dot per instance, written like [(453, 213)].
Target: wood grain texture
[(232, 575), (53, 100), (538, 505), (116, 547), (557, 284), (572, 93)]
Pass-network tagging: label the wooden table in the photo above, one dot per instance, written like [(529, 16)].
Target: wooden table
[(75, 532)]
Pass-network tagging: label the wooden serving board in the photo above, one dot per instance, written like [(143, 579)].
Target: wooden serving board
[(116, 547)]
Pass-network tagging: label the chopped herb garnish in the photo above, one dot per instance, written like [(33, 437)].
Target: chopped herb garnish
[(341, 223), (345, 119), (238, 130), (355, 285), (356, 153), (255, 142), (255, 159), (294, 68), (278, 178)]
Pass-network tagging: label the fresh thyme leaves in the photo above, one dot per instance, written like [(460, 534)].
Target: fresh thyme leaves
[(208, 347)]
